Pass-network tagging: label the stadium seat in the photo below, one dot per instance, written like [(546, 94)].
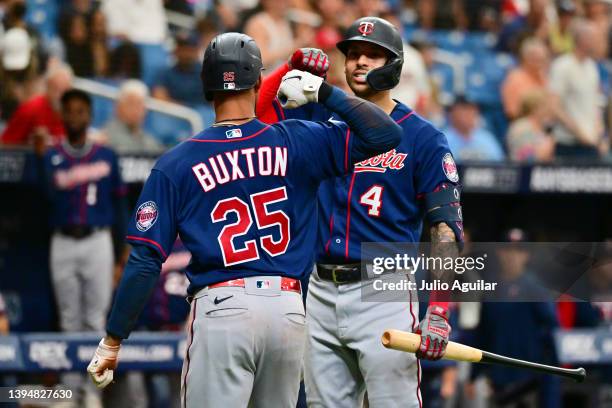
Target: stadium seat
[(43, 15), (154, 57), (167, 129)]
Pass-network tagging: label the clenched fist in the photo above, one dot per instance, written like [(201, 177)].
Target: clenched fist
[(311, 60), (298, 88), (103, 363)]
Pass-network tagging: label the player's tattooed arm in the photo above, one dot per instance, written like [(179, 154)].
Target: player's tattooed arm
[(443, 245)]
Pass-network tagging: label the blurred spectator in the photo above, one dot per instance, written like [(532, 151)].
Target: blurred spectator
[(534, 342), (334, 21), (272, 32), (207, 30), (125, 133), (534, 24), (575, 81), (99, 44), (77, 42), (181, 83), (414, 88), (38, 121), (560, 36), (18, 72), (86, 192), (15, 17), (433, 110), (600, 13), (124, 63), (531, 75), (230, 12), (442, 14), (467, 139), (530, 137), (140, 21)]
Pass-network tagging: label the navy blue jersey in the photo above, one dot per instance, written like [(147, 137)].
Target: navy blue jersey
[(242, 198), (380, 199), (83, 185)]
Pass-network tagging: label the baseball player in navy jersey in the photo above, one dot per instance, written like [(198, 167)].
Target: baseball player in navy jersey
[(381, 199), (242, 196), (85, 189)]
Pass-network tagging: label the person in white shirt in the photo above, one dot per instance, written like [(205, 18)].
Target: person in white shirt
[(574, 79), (140, 21)]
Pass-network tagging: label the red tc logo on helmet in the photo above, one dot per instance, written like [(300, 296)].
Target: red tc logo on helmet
[(366, 28)]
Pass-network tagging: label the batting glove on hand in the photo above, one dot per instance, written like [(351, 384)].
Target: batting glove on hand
[(311, 60), (298, 88), (435, 331), (102, 364)]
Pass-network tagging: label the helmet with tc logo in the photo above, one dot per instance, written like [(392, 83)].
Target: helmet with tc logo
[(378, 31)]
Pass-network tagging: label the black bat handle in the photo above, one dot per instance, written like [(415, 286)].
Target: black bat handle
[(576, 374)]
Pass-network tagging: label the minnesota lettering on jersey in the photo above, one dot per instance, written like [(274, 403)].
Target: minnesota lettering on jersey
[(379, 164), (240, 164), (81, 174)]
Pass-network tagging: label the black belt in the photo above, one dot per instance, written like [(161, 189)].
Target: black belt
[(339, 274), (77, 231)]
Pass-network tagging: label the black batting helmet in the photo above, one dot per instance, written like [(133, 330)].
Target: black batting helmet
[(378, 31), (232, 62)]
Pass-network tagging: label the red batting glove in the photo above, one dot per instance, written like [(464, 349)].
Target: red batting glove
[(435, 331), (312, 60)]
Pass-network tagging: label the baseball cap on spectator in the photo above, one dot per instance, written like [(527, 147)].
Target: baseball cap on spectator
[(566, 7), (462, 99), (16, 49)]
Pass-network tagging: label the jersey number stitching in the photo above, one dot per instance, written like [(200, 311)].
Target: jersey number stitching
[(373, 199), (244, 221)]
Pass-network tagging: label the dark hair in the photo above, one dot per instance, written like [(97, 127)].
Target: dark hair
[(77, 94), (125, 61)]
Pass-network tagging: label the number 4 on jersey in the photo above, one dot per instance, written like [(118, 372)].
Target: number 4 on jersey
[(373, 199), (244, 221)]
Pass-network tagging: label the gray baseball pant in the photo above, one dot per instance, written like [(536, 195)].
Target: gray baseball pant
[(344, 354), (245, 347)]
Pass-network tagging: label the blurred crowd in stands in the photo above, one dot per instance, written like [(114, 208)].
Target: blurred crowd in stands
[(520, 80)]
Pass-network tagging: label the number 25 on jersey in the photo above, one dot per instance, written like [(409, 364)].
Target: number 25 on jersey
[(244, 221)]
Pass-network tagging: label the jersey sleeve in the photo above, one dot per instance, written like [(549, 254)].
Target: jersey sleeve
[(434, 162), (154, 221), (321, 148)]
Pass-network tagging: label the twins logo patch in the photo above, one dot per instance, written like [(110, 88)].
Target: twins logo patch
[(146, 215), (366, 28), (450, 168)]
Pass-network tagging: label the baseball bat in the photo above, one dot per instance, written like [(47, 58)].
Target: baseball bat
[(410, 342)]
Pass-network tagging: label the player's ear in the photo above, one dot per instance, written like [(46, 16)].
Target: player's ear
[(258, 83)]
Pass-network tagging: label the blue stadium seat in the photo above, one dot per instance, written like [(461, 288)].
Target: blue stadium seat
[(484, 76), (449, 40), (480, 41), (103, 109), (167, 129), (43, 15), (153, 58)]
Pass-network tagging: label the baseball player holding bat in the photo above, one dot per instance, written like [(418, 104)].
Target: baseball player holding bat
[(242, 196), (383, 199)]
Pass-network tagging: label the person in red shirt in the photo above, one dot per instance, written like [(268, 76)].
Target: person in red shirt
[(38, 121)]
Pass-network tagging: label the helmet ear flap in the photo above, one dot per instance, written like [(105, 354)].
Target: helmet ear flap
[(387, 76)]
